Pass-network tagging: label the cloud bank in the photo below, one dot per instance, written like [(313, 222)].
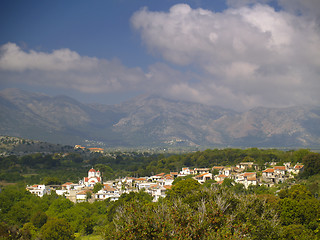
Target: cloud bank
[(248, 55), (66, 69)]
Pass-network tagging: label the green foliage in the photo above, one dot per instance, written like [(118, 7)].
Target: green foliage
[(219, 215), (57, 229), (107, 171), (68, 167), (39, 219), (178, 179), (297, 192), (8, 232), (51, 181), (299, 211), (256, 189), (97, 187), (59, 206), (311, 165), (190, 210), (297, 231), (228, 182), (28, 231), (88, 225), (183, 188)]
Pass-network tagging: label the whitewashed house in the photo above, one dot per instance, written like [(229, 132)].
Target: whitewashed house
[(107, 192), (202, 178), (39, 190)]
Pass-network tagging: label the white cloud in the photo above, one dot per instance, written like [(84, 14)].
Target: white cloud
[(64, 68), (246, 56), (253, 55)]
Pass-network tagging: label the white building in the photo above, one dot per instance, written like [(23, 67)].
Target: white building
[(107, 192), (38, 190), (93, 178), (203, 177)]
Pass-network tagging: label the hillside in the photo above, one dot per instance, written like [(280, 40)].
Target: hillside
[(20, 146), (154, 121)]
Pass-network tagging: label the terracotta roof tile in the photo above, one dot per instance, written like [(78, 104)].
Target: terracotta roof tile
[(279, 168), (222, 176), (108, 188), (298, 166), (248, 174), (253, 178)]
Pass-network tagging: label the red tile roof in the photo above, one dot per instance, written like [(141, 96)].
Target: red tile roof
[(160, 174), (96, 149), (140, 179), (218, 167), (83, 192), (222, 176), (201, 175), (269, 170), (253, 178), (279, 168), (108, 188), (66, 184), (298, 166), (246, 174)]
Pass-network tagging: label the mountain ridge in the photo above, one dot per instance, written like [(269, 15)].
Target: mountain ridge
[(154, 121)]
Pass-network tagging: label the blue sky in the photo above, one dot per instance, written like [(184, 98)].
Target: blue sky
[(236, 53)]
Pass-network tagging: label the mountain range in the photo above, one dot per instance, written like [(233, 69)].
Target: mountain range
[(147, 121)]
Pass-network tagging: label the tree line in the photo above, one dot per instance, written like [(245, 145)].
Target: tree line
[(189, 211), (61, 167)]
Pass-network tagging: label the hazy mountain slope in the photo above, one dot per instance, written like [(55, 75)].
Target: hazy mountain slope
[(166, 120), (57, 119), (154, 121), (294, 126)]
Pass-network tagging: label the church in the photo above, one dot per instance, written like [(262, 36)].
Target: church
[(93, 178)]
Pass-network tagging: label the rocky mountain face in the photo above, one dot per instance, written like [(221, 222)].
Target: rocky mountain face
[(154, 121)]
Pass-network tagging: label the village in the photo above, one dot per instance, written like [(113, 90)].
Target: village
[(246, 173)]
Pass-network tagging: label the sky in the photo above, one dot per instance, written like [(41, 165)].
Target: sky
[(236, 54)]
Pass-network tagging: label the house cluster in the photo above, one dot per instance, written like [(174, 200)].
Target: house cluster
[(157, 185), (95, 149), (82, 191)]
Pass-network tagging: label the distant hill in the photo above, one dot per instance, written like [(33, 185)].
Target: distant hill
[(20, 146), (154, 121)]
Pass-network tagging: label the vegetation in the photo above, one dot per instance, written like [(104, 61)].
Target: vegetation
[(72, 166), (190, 210)]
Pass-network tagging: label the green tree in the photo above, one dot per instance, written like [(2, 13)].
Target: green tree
[(88, 224), (106, 170), (311, 164), (39, 219), (183, 188), (58, 206), (28, 231), (57, 229), (97, 187), (51, 181)]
